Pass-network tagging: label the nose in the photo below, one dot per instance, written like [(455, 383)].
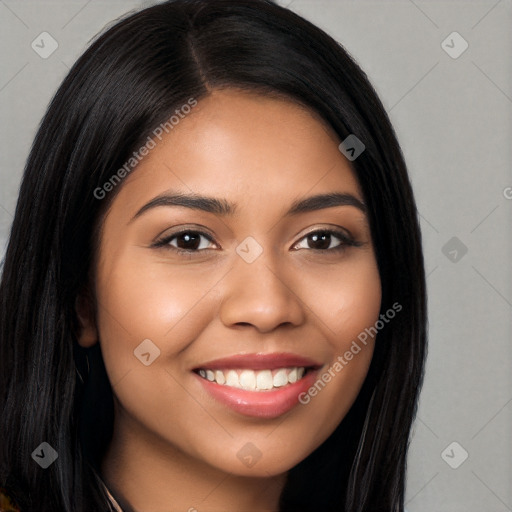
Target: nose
[(260, 294)]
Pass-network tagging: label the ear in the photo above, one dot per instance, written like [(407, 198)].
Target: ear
[(88, 335)]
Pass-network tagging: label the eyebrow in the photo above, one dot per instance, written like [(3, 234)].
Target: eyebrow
[(224, 208)]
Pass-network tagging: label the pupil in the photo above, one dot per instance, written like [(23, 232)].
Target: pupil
[(188, 238), (324, 237)]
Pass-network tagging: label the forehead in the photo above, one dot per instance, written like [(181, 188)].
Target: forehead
[(251, 149)]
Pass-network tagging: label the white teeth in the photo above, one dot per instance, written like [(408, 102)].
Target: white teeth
[(280, 378), (262, 380), (219, 377), (232, 379), (248, 379)]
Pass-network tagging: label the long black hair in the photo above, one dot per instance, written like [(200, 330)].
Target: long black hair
[(131, 79)]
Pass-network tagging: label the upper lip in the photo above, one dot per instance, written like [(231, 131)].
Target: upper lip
[(269, 361)]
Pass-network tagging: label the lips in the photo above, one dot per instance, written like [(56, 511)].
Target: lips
[(259, 362), (258, 385)]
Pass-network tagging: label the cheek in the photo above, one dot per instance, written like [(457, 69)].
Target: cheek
[(345, 298), (150, 299), (347, 302), (138, 302), (355, 304)]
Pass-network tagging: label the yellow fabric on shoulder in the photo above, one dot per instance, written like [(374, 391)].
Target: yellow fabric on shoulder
[(6, 504)]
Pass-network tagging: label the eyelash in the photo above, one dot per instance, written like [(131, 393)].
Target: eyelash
[(345, 241)]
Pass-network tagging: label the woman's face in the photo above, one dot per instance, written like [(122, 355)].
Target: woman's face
[(287, 290)]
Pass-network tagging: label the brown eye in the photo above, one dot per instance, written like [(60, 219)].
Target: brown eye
[(319, 240), (186, 241), (323, 239)]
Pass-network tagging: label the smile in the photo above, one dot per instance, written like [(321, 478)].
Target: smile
[(257, 385), (251, 380)]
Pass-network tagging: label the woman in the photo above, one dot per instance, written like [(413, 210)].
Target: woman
[(213, 297)]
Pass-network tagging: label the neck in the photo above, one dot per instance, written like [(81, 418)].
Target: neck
[(146, 473)]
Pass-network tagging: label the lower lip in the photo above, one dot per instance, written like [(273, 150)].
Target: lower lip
[(260, 404)]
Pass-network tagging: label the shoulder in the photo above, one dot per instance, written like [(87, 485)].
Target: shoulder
[(6, 503)]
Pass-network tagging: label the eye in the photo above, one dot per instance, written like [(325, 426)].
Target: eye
[(321, 240), (185, 241)]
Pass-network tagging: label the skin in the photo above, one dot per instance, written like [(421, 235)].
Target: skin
[(172, 442)]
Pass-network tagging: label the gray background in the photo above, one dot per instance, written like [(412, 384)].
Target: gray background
[(453, 119)]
